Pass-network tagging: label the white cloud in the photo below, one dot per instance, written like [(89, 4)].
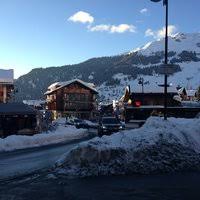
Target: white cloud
[(144, 10), (101, 28), (82, 17), (161, 32), (121, 28), (149, 32), (171, 31)]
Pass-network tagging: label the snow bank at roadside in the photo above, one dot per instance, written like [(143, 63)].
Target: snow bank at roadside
[(61, 134), (157, 147)]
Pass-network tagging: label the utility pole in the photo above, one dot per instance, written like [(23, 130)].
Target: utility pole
[(165, 3)]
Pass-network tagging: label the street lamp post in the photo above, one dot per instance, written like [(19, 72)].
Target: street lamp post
[(141, 82), (165, 3)]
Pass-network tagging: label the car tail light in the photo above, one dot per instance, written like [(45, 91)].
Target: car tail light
[(137, 103)]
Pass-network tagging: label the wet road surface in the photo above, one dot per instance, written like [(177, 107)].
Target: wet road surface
[(48, 187), (27, 161)]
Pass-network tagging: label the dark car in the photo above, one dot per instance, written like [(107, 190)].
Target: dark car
[(78, 123), (108, 125)]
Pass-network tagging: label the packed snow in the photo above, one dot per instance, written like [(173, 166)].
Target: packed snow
[(61, 134), (157, 147)]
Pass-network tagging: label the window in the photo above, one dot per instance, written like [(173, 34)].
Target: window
[(82, 97), (66, 97)]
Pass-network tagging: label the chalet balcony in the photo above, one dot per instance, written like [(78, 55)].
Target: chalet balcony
[(78, 106), (50, 100)]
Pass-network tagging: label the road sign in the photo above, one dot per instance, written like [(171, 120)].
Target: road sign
[(168, 69)]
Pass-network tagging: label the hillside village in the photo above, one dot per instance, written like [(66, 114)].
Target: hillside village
[(78, 126), (84, 90), (79, 99), (116, 104)]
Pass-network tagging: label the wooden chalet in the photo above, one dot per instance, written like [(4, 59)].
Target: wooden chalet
[(188, 95), (72, 98), (183, 93), (191, 95), (152, 95), (6, 85)]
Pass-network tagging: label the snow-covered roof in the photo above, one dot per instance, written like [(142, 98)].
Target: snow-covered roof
[(6, 76), (56, 86), (181, 90), (191, 93), (153, 88), (16, 108), (34, 102)]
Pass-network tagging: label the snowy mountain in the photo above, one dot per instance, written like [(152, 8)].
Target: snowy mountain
[(112, 74), (184, 50), (177, 43)]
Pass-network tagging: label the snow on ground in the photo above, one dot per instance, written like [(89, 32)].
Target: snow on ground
[(60, 134), (157, 147)]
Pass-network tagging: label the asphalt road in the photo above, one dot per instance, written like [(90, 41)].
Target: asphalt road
[(22, 162), (177, 186), (27, 161)]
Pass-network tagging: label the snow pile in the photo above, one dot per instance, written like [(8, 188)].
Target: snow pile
[(61, 134), (157, 147)]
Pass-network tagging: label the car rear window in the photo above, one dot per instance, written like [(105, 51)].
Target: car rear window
[(110, 121)]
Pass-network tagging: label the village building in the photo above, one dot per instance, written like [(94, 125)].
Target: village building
[(191, 95), (6, 85), (18, 119), (140, 103), (188, 95), (15, 117), (151, 95), (72, 98)]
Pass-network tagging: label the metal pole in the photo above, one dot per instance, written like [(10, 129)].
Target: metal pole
[(166, 60), (142, 85)]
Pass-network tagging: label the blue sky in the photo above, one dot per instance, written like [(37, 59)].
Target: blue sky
[(44, 33)]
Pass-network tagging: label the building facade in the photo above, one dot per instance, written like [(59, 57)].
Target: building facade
[(6, 85), (18, 118), (72, 98)]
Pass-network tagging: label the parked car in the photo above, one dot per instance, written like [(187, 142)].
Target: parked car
[(78, 123), (109, 125), (92, 124)]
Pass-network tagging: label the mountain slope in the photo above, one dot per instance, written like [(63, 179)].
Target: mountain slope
[(112, 74)]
